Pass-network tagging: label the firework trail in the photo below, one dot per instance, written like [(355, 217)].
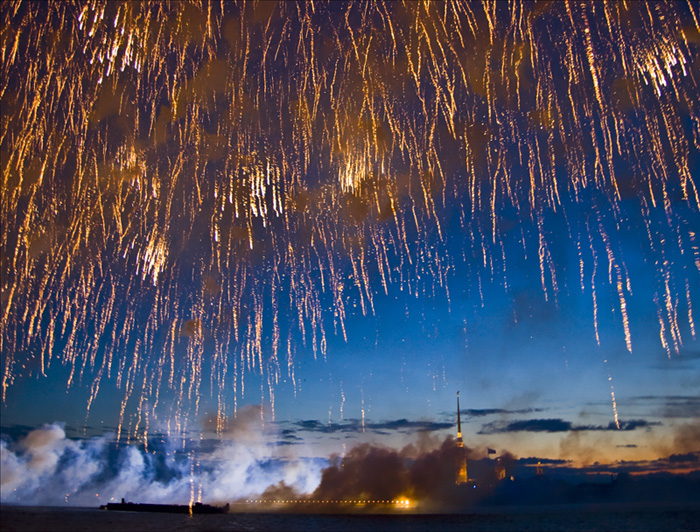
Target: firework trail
[(190, 190)]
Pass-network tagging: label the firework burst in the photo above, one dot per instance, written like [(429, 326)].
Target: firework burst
[(192, 190)]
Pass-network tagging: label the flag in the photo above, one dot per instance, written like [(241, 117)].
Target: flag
[(492, 451)]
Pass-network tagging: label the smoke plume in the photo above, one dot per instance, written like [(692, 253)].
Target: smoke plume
[(47, 468), (375, 473)]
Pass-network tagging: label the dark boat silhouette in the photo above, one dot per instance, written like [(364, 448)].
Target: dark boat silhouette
[(196, 508)]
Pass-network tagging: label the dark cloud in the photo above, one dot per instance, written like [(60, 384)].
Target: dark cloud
[(566, 470), (282, 443), (314, 425), (661, 465), (526, 425), (355, 425), (632, 424), (532, 460), (406, 425), (559, 425), (481, 412), (289, 434), (687, 457)]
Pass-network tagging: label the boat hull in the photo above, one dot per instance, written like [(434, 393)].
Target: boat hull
[(196, 508)]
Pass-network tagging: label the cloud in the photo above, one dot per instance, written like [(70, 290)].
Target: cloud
[(687, 457), (632, 424), (314, 425), (481, 412), (669, 406), (355, 425), (532, 460), (484, 412), (527, 425), (559, 425), (289, 434), (564, 469), (663, 464), (404, 425)]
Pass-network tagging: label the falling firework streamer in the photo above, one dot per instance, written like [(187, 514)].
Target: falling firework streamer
[(188, 187)]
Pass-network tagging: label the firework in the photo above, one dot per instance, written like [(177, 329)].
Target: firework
[(192, 190)]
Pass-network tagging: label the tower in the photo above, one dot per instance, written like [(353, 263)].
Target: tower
[(462, 477)]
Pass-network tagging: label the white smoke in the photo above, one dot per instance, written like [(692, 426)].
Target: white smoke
[(44, 464), (45, 467)]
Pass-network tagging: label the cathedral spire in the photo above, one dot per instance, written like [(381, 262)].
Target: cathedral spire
[(459, 424), (462, 477)]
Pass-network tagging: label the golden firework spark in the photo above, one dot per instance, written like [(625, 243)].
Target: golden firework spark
[(189, 187)]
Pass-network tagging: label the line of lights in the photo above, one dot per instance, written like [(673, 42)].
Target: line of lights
[(404, 503)]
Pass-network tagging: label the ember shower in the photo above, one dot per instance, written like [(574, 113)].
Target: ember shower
[(192, 192)]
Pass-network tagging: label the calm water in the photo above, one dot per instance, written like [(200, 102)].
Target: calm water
[(564, 518)]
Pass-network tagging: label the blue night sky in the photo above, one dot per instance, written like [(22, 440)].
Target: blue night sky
[(293, 229)]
